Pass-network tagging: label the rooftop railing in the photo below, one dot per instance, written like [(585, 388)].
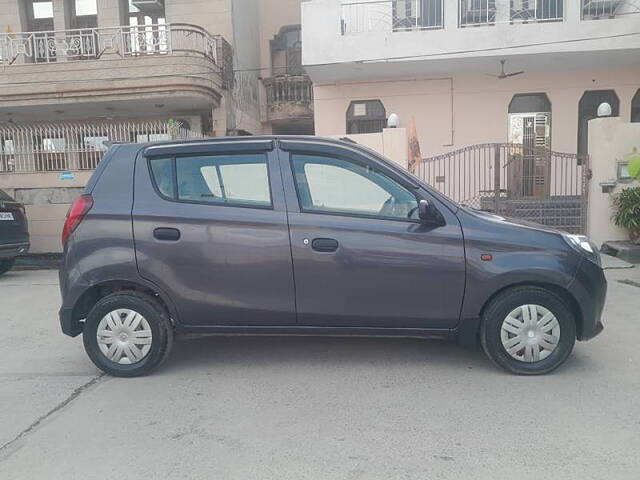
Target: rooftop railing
[(600, 9), (96, 43), (391, 15), (360, 16)]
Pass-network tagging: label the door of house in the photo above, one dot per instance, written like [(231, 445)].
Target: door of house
[(528, 172), (147, 31)]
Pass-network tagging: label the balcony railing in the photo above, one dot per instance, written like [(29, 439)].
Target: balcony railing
[(96, 43), (76, 146), (477, 12), (289, 89), (537, 10), (598, 9), (391, 15)]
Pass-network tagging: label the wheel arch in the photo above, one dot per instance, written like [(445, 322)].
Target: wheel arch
[(470, 330), (94, 293)]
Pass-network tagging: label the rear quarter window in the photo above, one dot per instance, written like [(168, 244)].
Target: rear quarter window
[(162, 171)]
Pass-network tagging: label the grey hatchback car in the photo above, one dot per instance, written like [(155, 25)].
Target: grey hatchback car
[(309, 236)]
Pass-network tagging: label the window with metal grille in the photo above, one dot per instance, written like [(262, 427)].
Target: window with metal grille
[(366, 116), (416, 14)]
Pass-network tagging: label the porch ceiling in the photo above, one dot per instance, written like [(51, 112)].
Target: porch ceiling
[(156, 105)]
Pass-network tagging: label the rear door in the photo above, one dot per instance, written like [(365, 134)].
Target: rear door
[(210, 227), (361, 257), (13, 222)]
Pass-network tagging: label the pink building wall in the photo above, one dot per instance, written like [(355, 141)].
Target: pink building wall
[(476, 105)]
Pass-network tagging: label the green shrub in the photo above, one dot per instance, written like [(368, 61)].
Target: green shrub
[(634, 163), (627, 214)]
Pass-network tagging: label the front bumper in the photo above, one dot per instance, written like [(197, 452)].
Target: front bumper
[(589, 288), (11, 250)]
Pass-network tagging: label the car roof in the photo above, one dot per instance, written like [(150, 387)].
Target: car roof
[(252, 138)]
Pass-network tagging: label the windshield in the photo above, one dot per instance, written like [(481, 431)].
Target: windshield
[(4, 196)]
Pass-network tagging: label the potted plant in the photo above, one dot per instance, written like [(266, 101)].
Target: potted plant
[(627, 214)]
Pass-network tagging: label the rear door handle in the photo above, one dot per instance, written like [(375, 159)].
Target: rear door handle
[(167, 234), (324, 244)]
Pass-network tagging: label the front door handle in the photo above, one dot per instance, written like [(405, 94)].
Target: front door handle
[(324, 244), (167, 234)]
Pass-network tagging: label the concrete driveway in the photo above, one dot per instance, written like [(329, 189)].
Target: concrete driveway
[(313, 408)]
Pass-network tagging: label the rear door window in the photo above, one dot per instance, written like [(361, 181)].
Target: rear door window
[(228, 179)]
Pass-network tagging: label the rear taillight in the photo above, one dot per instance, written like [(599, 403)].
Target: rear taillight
[(75, 215)]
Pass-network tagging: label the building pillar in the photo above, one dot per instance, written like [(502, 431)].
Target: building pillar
[(503, 11), (110, 13), (451, 14), (61, 15), (61, 22), (573, 12)]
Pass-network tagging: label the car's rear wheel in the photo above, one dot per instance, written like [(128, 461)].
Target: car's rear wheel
[(127, 334), (6, 265), (528, 331)]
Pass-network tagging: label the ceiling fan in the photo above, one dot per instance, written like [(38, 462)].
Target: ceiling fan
[(503, 74)]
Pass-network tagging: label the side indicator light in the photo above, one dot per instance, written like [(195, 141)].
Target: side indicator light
[(486, 257)]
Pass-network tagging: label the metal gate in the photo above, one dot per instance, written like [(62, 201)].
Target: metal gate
[(515, 180)]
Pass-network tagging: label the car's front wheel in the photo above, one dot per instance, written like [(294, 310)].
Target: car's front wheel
[(528, 331), (127, 334), (6, 265)]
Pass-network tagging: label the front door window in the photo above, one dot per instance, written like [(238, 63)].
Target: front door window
[(340, 187)]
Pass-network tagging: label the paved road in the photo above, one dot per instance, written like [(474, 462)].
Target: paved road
[(313, 408)]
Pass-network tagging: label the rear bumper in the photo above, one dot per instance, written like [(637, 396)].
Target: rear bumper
[(11, 250), (589, 288)]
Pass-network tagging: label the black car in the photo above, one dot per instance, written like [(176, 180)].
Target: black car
[(14, 232), (309, 236)]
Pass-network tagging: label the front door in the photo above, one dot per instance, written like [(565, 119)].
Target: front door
[(210, 228), (361, 257), (529, 170)]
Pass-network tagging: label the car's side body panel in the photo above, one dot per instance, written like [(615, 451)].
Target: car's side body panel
[(385, 273), (230, 265), (101, 250), (519, 255)]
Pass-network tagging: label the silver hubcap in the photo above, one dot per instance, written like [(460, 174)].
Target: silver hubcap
[(124, 336), (530, 333)]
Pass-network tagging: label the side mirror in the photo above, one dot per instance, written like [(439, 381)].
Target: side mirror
[(429, 214)]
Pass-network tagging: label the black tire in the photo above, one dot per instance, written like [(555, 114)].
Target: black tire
[(6, 265), (500, 307), (152, 311)]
